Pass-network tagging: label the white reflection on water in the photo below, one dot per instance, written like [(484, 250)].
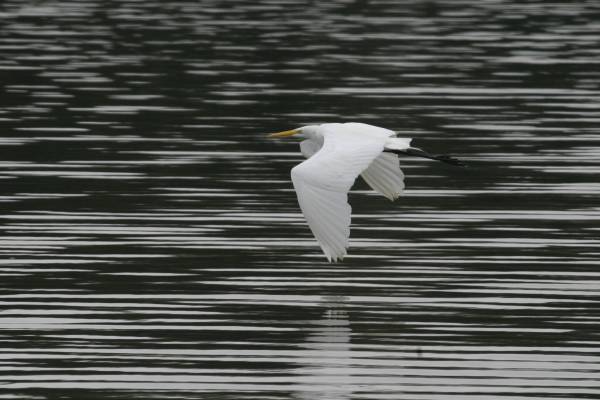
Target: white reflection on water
[(326, 362)]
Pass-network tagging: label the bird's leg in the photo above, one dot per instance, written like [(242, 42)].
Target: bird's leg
[(415, 151)]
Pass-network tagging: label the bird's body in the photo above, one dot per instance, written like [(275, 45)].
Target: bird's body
[(336, 155)]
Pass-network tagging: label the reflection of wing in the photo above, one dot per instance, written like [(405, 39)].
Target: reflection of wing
[(322, 183), (326, 364), (385, 176)]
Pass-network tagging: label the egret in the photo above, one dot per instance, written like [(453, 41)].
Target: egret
[(336, 154)]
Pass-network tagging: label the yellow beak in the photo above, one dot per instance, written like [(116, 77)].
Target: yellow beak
[(284, 133)]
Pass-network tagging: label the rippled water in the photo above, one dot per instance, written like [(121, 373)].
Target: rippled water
[(152, 245)]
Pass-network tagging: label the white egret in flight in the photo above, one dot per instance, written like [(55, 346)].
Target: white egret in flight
[(336, 154)]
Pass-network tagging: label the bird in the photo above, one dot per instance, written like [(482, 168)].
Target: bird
[(336, 154)]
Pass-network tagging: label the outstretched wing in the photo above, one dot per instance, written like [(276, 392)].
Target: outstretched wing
[(322, 183), (385, 176)]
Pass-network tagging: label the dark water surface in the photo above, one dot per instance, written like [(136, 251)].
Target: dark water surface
[(152, 246)]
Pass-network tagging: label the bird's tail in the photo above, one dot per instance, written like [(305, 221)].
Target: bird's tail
[(415, 151)]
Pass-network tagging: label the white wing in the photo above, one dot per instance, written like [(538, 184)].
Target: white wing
[(385, 176), (322, 183)]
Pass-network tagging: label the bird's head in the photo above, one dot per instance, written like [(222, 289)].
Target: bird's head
[(304, 132)]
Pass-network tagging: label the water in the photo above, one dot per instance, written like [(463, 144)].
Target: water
[(152, 245)]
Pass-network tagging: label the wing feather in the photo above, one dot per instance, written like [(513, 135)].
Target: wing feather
[(385, 176), (322, 183), (328, 219)]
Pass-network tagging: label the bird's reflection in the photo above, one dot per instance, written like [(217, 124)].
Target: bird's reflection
[(326, 356)]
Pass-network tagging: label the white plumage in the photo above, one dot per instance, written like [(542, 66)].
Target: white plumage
[(336, 154)]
